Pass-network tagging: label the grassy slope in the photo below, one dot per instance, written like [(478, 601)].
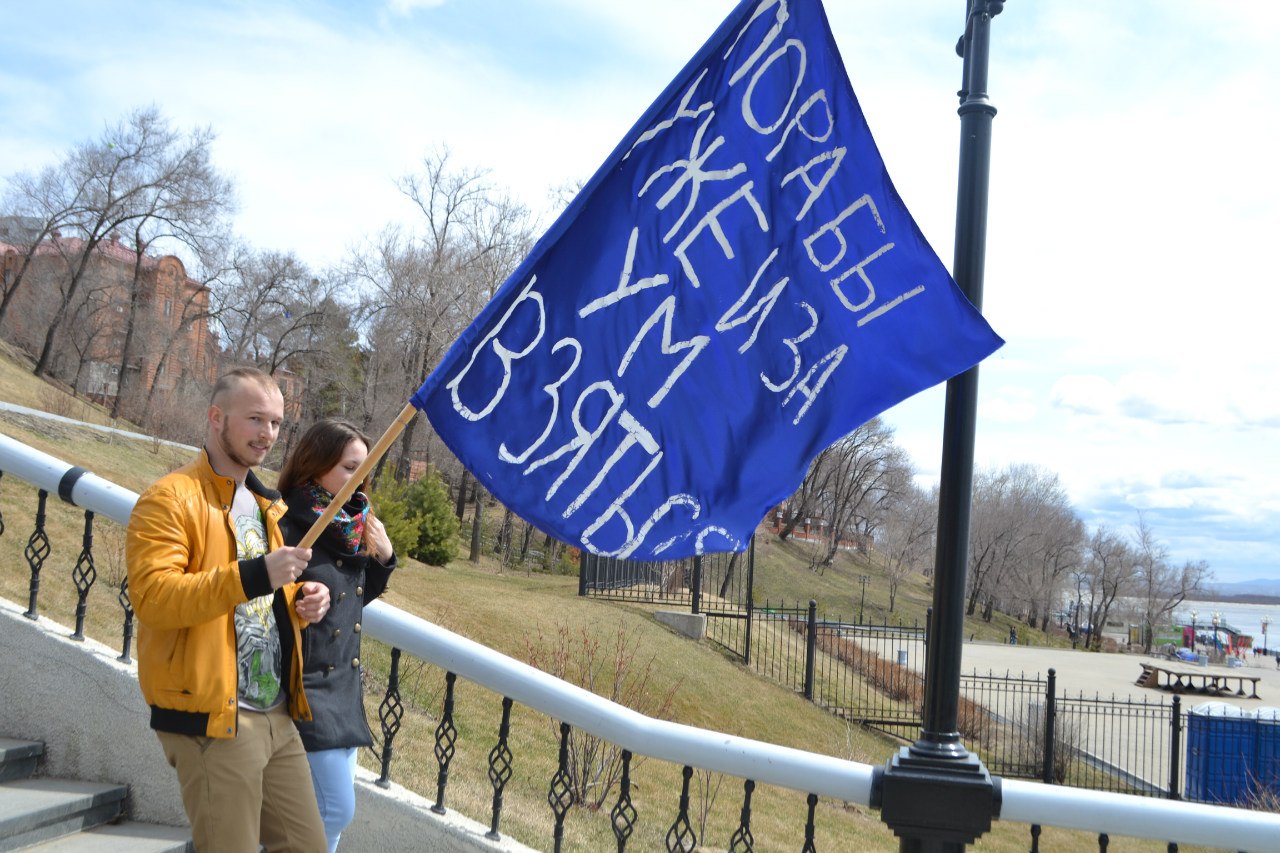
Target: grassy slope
[(514, 612)]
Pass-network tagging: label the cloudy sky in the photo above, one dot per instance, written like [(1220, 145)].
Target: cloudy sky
[(1135, 196)]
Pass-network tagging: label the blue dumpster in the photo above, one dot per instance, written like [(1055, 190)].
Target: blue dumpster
[(1231, 752)]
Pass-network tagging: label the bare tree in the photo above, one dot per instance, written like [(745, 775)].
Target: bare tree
[(866, 467), (1161, 587), (906, 537), (40, 205), (805, 501), (267, 308), (194, 219), (1011, 510), (422, 290), (1110, 565), (140, 169), (197, 305)]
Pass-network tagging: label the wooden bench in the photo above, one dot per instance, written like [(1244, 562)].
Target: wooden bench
[(1181, 681)]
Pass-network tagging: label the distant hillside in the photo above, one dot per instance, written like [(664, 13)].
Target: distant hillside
[(1248, 592)]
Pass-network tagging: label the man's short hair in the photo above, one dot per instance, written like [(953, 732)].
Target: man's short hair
[(229, 380)]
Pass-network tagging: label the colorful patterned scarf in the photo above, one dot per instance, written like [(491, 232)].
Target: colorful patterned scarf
[(346, 529)]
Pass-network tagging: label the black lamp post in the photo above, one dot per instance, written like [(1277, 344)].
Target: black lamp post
[(1194, 638), (862, 579), (935, 794)]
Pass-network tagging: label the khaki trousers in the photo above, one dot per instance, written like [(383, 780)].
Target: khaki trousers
[(248, 790)]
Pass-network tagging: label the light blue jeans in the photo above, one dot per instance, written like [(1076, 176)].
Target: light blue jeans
[(333, 774)]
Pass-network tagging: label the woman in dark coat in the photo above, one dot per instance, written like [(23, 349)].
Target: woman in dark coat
[(354, 558)]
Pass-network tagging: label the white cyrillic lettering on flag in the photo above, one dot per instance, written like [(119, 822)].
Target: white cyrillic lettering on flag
[(737, 287)]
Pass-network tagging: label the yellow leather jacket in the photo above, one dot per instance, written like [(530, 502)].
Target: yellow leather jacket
[(184, 584)]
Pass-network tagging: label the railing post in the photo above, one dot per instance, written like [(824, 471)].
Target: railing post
[(560, 796), (809, 829), (1050, 724), (36, 552), (681, 837), (586, 562), (390, 712), (83, 575), (127, 604), (500, 767), (1175, 750), (810, 649), (623, 815), (742, 840), (446, 737)]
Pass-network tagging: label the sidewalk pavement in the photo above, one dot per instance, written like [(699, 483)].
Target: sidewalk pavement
[(1115, 674)]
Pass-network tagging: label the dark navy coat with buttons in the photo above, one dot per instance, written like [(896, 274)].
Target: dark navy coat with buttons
[(331, 647)]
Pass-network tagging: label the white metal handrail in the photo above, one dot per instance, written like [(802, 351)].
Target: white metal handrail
[(1025, 802)]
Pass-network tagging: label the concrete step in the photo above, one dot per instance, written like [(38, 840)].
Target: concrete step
[(18, 758), (36, 810), (62, 816), (124, 837)]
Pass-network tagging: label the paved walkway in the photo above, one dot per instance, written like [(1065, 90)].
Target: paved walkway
[(1108, 675), (1133, 747)]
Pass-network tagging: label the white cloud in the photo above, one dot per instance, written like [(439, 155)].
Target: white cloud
[(408, 7)]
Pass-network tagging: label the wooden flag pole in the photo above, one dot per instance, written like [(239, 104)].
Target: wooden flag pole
[(376, 452)]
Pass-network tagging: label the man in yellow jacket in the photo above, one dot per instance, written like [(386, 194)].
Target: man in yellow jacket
[(213, 586)]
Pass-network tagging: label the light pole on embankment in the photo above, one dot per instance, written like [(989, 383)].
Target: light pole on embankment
[(935, 794)]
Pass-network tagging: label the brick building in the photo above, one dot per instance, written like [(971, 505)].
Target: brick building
[(172, 342)]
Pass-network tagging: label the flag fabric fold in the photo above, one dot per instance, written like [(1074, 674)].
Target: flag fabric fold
[(737, 287)]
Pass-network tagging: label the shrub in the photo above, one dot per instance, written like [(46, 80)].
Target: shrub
[(391, 505), (419, 518), (437, 526), (609, 668)]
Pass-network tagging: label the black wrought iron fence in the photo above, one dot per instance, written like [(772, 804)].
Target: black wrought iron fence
[(866, 673), (1021, 727), (1003, 718), (1119, 744), (718, 586), (779, 643)]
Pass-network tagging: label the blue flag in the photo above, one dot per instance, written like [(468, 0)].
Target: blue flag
[(737, 287)]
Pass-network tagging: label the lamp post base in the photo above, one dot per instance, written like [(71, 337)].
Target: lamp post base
[(935, 802)]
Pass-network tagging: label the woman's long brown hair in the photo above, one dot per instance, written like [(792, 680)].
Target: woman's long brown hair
[(320, 448)]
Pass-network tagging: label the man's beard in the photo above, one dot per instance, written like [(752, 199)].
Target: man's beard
[(230, 451)]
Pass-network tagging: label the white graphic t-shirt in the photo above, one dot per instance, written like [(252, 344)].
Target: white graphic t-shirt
[(257, 635)]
